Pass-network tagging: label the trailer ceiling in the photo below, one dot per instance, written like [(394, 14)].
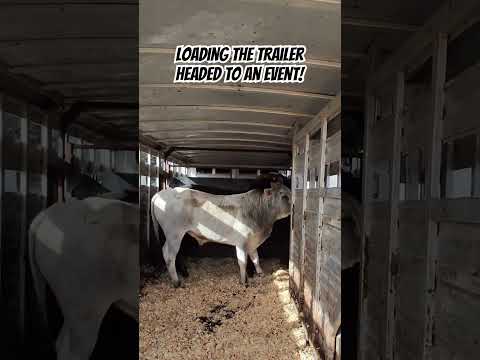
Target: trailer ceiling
[(380, 25), (220, 116), (72, 52)]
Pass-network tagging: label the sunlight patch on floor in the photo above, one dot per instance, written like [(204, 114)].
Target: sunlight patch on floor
[(298, 333)]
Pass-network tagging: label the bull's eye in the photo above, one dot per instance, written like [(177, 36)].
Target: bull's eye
[(285, 198)]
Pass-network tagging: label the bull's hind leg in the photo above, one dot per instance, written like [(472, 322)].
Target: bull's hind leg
[(242, 263), (170, 251), (256, 261), (79, 332)]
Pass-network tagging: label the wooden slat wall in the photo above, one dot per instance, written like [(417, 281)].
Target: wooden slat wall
[(457, 304), (1, 196), (315, 248), (420, 257), (377, 211), (327, 304), (312, 229)]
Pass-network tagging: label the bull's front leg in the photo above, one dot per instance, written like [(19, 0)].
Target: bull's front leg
[(256, 261), (242, 263)]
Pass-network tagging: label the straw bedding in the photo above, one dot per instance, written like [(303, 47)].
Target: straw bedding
[(214, 317)]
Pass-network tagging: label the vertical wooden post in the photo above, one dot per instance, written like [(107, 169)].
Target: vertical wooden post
[(393, 241), (1, 191), (476, 169), (321, 200), (149, 196), (23, 221), (432, 184), (61, 184), (368, 118), (45, 139), (292, 209), (304, 214), (67, 158)]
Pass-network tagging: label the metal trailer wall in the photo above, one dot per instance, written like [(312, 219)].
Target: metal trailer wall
[(152, 179), (419, 295), (32, 177), (25, 138), (315, 247)]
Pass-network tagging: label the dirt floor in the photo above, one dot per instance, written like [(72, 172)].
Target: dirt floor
[(214, 317)]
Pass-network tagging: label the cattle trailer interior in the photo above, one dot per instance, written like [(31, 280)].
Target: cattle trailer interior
[(68, 129), (416, 93), (218, 138), (309, 257)]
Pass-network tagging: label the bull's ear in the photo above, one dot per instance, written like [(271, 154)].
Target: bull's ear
[(276, 185), (268, 192)]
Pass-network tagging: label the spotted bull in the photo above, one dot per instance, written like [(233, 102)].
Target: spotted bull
[(241, 220), (87, 253)]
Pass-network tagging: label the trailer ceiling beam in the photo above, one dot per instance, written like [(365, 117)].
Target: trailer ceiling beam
[(178, 122), (190, 133), (229, 108), (54, 66), (194, 148), (238, 89), (214, 140), (450, 16), (357, 22), (241, 166), (331, 110), (80, 107), (69, 38), (28, 89), (106, 146)]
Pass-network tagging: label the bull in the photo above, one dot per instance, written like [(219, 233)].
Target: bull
[(87, 253), (243, 220)]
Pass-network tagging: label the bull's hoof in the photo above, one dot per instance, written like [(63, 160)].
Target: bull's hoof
[(176, 284), (261, 274)]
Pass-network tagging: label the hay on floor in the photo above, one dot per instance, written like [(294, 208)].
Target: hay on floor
[(214, 317)]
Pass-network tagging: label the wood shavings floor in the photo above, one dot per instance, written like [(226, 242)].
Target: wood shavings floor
[(214, 317)]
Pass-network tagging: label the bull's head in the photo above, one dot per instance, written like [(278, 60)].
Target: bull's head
[(279, 197)]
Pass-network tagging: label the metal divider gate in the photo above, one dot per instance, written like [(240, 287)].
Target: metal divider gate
[(151, 176), (315, 248)]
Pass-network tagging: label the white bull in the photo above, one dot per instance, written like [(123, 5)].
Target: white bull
[(242, 220), (87, 252)]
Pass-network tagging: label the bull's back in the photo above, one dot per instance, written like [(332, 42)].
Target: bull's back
[(173, 207), (205, 216), (76, 245)]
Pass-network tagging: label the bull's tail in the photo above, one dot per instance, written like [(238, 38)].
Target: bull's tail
[(156, 247), (39, 282), (155, 223)]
